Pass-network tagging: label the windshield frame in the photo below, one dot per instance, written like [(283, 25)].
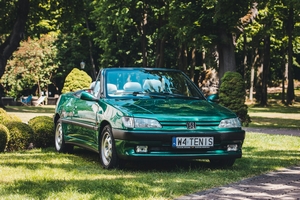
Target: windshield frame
[(118, 77)]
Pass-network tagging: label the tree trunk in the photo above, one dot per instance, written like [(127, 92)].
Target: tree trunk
[(290, 26), (284, 78), (193, 63), (144, 22), (18, 33), (13, 41), (227, 41), (144, 50), (255, 56), (160, 46), (203, 59), (179, 57), (254, 61), (161, 53), (91, 50), (258, 85), (245, 64), (184, 58), (226, 53), (266, 69), (284, 69)]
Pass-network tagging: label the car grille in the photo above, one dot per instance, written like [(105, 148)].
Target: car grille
[(183, 124)]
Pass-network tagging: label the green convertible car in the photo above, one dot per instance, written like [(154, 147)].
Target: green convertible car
[(147, 113)]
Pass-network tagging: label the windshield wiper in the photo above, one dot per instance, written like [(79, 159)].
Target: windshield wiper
[(164, 95)]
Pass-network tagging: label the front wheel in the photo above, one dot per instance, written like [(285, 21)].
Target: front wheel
[(222, 163), (107, 149), (60, 144)]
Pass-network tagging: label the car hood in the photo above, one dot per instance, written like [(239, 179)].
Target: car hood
[(171, 107)]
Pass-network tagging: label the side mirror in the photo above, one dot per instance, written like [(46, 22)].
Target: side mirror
[(213, 98), (88, 96)]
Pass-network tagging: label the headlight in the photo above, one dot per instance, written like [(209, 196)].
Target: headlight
[(131, 122), (230, 123)]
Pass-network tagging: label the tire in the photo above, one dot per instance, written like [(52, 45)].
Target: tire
[(60, 144), (222, 163), (107, 149)]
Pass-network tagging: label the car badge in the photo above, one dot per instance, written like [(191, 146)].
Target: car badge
[(191, 125)]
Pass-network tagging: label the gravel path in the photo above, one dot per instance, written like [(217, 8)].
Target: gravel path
[(280, 131), (282, 184)]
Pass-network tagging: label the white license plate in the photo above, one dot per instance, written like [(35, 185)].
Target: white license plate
[(192, 142)]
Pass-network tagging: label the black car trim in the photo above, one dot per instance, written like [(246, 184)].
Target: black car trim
[(77, 123), (165, 136), (83, 146)]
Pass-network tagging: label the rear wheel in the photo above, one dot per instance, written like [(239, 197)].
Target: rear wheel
[(107, 149), (222, 163), (60, 144)]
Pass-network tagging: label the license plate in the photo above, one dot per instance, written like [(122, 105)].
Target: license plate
[(192, 142)]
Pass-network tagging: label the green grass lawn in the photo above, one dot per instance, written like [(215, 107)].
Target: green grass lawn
[(45, 174), (28, 112), (276, 115)]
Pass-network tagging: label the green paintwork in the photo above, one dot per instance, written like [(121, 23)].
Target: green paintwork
[(84, 114)]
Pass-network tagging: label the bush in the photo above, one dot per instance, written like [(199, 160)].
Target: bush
[(233, 94), (5, 117), (4, 137), (43, 131), (20, 136), (76, 80)]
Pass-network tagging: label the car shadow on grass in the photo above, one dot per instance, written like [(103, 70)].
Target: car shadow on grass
[(162, 165)]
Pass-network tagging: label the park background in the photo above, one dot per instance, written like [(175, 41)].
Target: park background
[(42, 41)]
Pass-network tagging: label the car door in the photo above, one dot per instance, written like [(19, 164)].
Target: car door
[(86, 119), (87, 112)]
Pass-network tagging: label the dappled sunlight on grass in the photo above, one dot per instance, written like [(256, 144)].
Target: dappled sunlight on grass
[(274, 122), (275, 108), (45, 174), (31, 109)]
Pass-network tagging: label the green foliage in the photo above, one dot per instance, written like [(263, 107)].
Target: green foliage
[(4, 137), (122, 33), (5, 117), (34, 57), (76, 80), (20, 136), (232, 95), (43, 129)]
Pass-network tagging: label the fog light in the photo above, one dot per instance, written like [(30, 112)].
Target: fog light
[(141, 149), (232, 147)]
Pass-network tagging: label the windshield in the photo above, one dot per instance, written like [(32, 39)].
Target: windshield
[(150, 83)]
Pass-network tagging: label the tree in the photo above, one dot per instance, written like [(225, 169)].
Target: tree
[(289, 29), (11, 43), (189, 35), (230, 21), (33, 64)]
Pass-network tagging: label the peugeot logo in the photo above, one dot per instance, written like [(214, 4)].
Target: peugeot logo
[(191, 125)]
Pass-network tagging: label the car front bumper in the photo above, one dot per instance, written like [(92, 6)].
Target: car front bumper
[(159, 145)]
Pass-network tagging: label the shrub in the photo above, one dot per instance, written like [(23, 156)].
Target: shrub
[(43, 131), (20, 136), (5, 117), (233, 94), (4, 137), (76, 80)]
